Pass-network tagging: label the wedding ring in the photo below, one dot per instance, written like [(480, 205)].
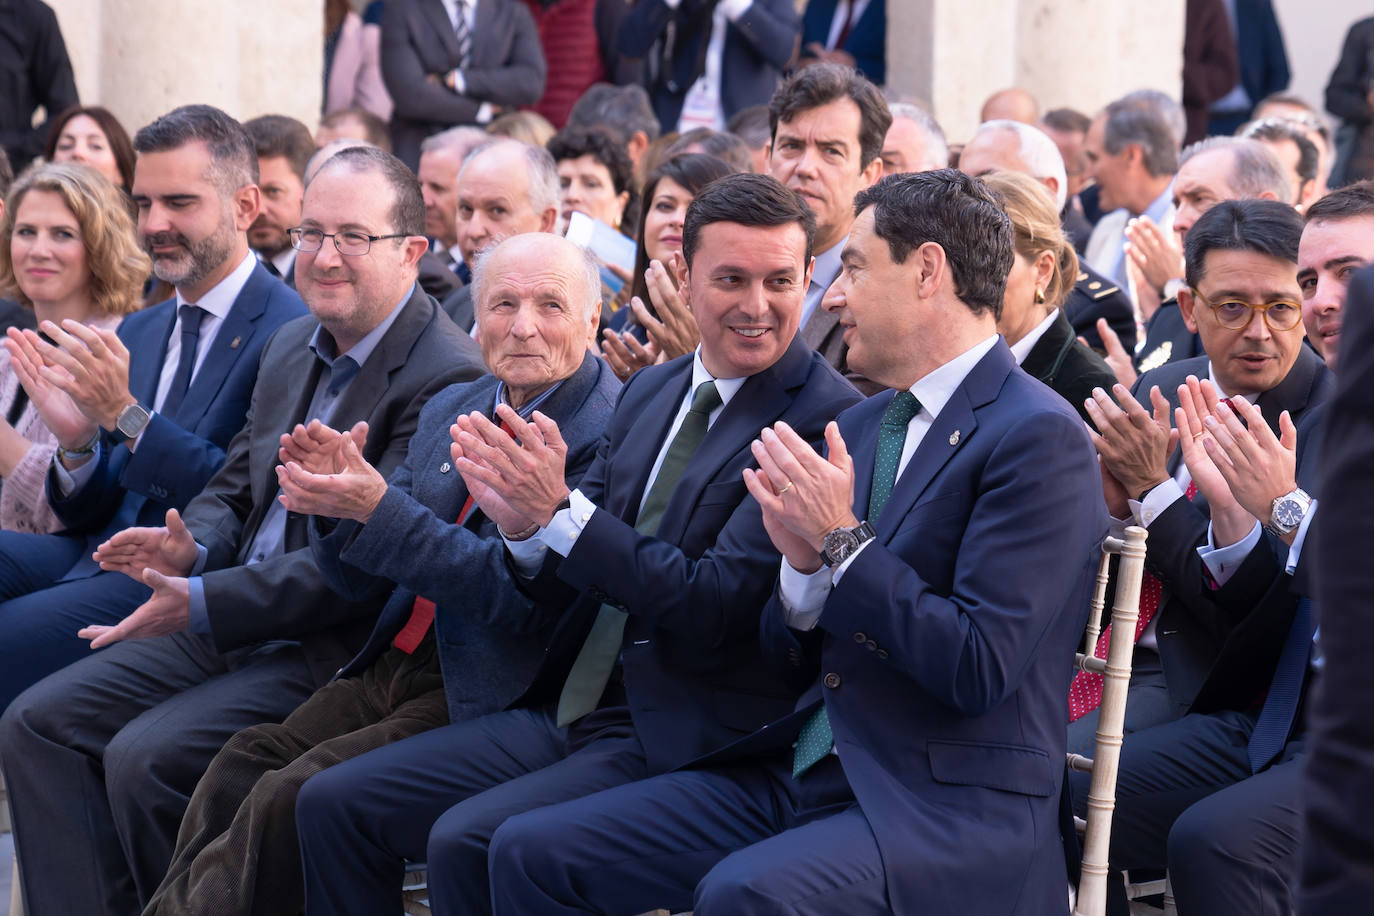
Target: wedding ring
[(786, 488), (1199, 435)]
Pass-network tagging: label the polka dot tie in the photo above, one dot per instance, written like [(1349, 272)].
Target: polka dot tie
[(1085, 693), (816, 739)]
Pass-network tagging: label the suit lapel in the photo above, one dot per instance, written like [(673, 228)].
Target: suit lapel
[(1293, 392), (145, 372), (820, 325), (437, 16), (370, 385), (639, 451), (237, 330)]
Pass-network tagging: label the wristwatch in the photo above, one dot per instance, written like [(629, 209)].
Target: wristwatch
[(842, 543), (1287, 511), (130, 422)]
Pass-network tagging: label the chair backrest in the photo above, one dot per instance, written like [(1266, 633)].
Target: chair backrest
[(1116, 673)]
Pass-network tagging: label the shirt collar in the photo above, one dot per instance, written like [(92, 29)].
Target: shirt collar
[(322, 342), (828, 264), (220, 298), (533, 404), (934, 389), (727, 388), (1021, 349), (282, 262), (1212, 377), (1159, 208)]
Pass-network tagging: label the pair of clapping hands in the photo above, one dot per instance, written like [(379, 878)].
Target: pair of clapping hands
[(78, 383), (672, 333), (1234, 458)]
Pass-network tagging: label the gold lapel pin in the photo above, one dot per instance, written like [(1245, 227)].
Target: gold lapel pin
[(954, 438), (234, 344)]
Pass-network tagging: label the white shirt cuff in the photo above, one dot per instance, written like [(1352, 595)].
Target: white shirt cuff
[(672, 4), (460, 85), (733, 9), (484, 113), (1295, 551), (561, 534), (1156, 501), (69, 481), (1222, 562), (803, 595)]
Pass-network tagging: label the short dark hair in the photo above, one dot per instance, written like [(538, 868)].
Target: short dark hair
[(576, 142), (121, 147), (1352, 201), (716, 143), (821, 84), (1265, 227), (276, 136), (621, 111), (408, 207), (750, 200), (1128, 122), (1068, 120), (956, 212), (374, 128), (6, 173), (1275, 130), (233, 162), (751, 125)]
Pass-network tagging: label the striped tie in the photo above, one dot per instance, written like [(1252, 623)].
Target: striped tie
[(464, 35)]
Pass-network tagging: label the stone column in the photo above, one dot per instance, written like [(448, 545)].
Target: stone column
[(1079, 53), (141, 58)]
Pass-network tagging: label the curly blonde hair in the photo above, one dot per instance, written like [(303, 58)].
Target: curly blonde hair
[(117, 263), (1036, 228)]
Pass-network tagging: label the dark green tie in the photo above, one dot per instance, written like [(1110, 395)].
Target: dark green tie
[(592, 669), (815, 739)]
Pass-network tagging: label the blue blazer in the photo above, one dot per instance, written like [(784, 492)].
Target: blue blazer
[(946, 649), (867, 41), (177, 455), (691, 657), (757, 47), (491, 639)]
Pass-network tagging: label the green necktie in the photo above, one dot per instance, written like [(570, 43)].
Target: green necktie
[(592, 669), (816, 739)]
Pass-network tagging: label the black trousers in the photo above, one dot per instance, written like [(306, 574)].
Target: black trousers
[(100, 760), (1186, 800), (237, 851)]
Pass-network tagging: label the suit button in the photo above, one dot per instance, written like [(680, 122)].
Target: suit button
[(832, 680), (871, 645), (859, 638), (882, 653)]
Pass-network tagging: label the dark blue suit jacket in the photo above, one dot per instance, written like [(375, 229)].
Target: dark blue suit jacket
[(691, 653), (867, 41), (176, 455), (491, 639), (946, 649), (757, 46)]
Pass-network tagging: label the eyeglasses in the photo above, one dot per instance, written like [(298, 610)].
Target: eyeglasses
[(1236, 314), (352, 244)]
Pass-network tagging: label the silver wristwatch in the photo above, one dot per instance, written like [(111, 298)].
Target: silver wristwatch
[(130, 422), (1287, 511), (841, 543)]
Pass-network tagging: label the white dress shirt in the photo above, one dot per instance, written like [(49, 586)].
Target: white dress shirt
[(803, 596), (1021, 349)]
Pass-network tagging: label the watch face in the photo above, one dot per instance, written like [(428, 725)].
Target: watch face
[(132, 420), (1288, 513), (840, 541)]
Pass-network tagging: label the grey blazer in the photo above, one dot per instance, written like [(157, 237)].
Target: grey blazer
[(285, 597)]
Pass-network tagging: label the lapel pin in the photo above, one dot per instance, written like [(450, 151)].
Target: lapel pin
[(954, 438), (234, 344), (445, 468)]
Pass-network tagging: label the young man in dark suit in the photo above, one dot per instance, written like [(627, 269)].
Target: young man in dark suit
[(237, 848), (451, 62), (240, 627), (656, 562), (144, 416), (934, 644)]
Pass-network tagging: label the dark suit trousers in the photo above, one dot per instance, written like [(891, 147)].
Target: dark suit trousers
[(100, 760), (1147, 704), (439, 797), (744, 841), (1186, 800), (40, 615), (237, 850)]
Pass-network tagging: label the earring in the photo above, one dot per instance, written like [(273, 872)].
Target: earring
[(1039, 297)]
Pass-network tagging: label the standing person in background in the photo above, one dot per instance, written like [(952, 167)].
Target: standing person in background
[(580, 40), (90, 135), (1263, 65), (67, 250), (1350, 97), (352, 62), (849, 32), (284, 148), (37, 74)]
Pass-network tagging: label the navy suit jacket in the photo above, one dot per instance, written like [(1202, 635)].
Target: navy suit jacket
[(691, 658), (867, 41), (176, 455), (757, 46), (1167, 339), (1192, 627), (946, 649), (491, 638)]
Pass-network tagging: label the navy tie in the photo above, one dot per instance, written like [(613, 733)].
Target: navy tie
[(1281, 705), (190, 336)]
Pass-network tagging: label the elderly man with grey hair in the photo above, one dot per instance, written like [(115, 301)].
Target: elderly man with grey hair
[(441, 156), (915, 142), (505, 188), (457, 638), (1011, 146)]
